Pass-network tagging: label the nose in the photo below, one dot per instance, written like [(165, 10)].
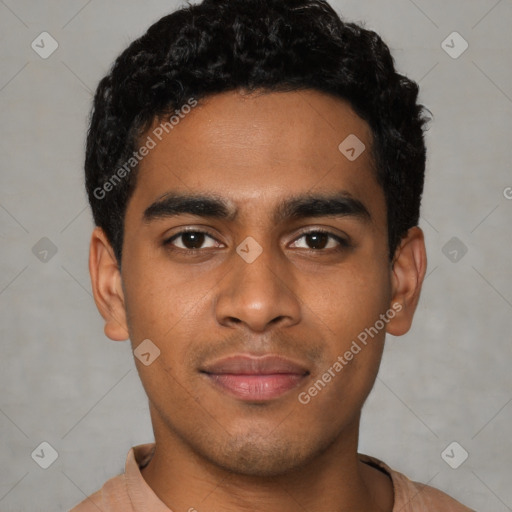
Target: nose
[(258, 295)]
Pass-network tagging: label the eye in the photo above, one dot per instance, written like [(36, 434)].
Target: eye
[(192, 240), (319, 239)]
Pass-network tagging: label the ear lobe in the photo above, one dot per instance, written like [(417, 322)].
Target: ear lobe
[(408, 271), (107, 286)]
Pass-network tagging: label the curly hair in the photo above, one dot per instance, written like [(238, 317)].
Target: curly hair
[(250, 45)]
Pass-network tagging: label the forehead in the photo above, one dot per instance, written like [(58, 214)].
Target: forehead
[(254, 149)]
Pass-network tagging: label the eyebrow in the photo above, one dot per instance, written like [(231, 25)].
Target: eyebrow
[(340, 204)]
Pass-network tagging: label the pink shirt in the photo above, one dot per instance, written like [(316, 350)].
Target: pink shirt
[(129, 492)]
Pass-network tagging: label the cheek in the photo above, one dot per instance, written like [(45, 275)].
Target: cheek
[(348, 299), (349, 320), (349, 309), (172, 309), (338, 393), (159, 297)]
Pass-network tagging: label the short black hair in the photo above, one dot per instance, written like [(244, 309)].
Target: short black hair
[(254, 45)]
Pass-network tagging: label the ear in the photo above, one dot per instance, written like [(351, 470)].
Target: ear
[(107, 286), (407, 274)]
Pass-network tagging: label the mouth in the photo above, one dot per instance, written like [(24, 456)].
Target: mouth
[(255, 378)]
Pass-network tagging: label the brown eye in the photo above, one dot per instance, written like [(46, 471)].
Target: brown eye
[(318, 240), (191, 240)]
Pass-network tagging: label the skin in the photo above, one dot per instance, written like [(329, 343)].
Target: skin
[(213, 451)]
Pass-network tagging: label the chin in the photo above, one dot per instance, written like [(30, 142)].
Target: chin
[(260, 457)]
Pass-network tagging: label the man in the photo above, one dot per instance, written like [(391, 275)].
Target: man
[(255, 170)]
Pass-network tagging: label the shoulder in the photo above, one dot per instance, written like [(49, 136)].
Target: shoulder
[(118, 492), (90, 504), (111, 497), (419, 497), (413, 496)]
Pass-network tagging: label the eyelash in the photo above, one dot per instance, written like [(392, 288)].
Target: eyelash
[(343, 243)]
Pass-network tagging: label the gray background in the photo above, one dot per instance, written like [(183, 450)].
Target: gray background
[(62, 381)]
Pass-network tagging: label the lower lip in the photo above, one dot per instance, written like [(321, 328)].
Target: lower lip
[(256, 387)]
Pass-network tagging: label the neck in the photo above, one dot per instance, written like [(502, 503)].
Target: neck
[(334, 480)]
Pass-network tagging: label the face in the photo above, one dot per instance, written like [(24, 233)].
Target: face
[(255, 257)]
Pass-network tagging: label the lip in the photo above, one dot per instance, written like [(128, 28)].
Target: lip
[(255, 378)]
